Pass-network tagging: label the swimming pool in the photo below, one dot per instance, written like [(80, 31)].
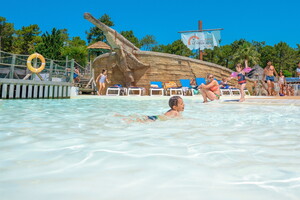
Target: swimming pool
[(78, 149)]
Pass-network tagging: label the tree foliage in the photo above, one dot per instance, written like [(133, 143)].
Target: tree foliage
[(148, 42), (57, 45), (95, 34), (76, 49), (51, 44), (177, 47), (282, 55), (246, 51), (129, 35), (6, 35), (26, 38)]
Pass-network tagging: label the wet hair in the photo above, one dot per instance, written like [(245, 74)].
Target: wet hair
[(173, 101)]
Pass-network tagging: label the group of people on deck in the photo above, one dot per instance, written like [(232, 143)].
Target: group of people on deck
[(211, 90)]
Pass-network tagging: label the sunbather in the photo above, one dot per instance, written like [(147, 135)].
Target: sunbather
[(224, 84), (211, 89)]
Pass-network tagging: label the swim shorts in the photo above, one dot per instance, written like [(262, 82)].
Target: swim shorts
[(270, 78)]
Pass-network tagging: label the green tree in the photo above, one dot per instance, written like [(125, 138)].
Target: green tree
[(148, 42), (258, 45), (76, 49), (51, 44), (246, 51), (6, 35), (225, 56), (95, 34), (26, 38), (220, 55), (267, 54), (211, 55), (177, 47), (129, 35), (285, 56)]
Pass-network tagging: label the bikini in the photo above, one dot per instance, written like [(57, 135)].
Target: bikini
[(213, 89)]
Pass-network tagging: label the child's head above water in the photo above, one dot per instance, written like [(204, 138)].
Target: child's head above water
[(176, 103)]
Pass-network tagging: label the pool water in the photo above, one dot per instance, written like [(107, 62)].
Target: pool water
[(79, 149)]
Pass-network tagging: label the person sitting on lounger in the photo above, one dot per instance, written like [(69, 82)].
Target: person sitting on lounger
[(224, 84), (210, 90)]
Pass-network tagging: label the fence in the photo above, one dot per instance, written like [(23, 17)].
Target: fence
[(14, 66), (16, 81), (28, 89)]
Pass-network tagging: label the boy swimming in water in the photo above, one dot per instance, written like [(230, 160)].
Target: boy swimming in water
[(176, 104)]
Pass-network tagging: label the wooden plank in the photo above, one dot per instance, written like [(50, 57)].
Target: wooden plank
[(46, 91), (69, 92), (29, 94), (41, 89), (11, 91), (60, 91), (18, 91), (55, 91), (51, 91), (24, 91), (4, 91), (35, 91), (65, 92), (32, 82)]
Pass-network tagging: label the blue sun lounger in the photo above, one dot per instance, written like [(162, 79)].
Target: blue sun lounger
[(186, 86), (156, 86)]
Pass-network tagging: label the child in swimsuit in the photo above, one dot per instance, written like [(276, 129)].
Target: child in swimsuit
[(102, 78), (241, 79), (281, 82), (176, 104)]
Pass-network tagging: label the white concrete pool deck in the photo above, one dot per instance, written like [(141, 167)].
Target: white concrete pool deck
[(276, 100)]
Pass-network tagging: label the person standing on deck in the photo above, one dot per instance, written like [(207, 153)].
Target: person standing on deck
[(268, 76)]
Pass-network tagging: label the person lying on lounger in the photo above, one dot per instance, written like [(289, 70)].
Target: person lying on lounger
[(176, 104)]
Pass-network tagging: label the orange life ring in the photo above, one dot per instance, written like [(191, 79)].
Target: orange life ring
[(33, 69)]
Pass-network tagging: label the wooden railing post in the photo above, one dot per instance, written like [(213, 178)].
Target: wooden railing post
[(72, 71), (51, 70), (12, 67)]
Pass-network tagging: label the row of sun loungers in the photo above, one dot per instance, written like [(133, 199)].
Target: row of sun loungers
[(169, 88)]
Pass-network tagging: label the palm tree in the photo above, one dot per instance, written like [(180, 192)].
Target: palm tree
[(246, 52)]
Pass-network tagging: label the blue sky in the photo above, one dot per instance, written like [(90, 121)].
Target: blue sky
[(259, 20)]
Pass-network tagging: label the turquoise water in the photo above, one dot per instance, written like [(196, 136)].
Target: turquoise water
[(78, 149)]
